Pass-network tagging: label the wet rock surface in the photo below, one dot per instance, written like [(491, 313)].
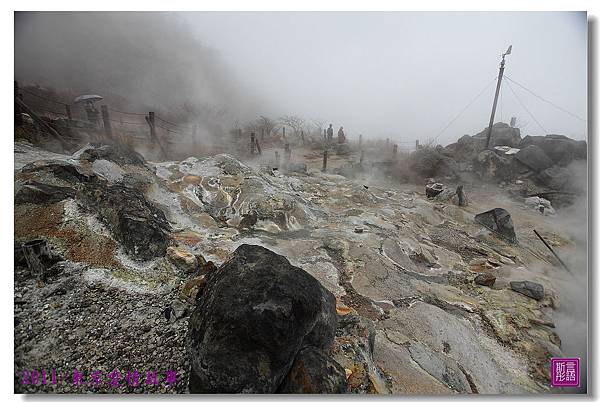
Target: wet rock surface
[(258, 311), (411, 319), (139, 225)]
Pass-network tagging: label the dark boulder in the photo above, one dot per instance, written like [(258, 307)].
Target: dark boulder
[(119, 153), (314, 372), (65, 171), (528, 288), (40, 193), (534, 158), (490, 165), (498, 220), (255, 314), (555, 177), (431, 190), (136, 223), (427, 162), (559, 148)]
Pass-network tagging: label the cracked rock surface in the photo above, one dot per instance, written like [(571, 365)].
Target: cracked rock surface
[(410, 317)]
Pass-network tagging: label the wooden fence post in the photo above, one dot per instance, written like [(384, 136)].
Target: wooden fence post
[(252, 144), (150, 121), (324, 169), (106, 120), (69, 116), (194, 135), (153, 137)]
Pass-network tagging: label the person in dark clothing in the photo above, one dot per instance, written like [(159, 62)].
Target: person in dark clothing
[(330, 133), (341, 136), (92, 112)]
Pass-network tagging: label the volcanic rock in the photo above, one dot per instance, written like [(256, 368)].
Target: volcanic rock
[(485, 279), (561, 149), (555, 177), (431, 190), (116, 152), (502, 134), (182, 258), (534, 158), (314, 372), (498, 220), (528, 288), (254, 316), (40, 193), (139, 225)]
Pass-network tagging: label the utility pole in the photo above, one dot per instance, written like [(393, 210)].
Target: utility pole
[(500, 74)]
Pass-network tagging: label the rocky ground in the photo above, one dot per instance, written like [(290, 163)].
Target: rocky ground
[(136, 239)]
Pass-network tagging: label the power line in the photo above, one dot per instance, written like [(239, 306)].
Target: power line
[(464, 109), (546, 100), (525, 107)]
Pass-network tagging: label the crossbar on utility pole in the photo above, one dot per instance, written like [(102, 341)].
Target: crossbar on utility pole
[(500, 74)]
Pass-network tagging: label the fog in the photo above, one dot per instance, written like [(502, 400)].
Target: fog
[(403, 75)]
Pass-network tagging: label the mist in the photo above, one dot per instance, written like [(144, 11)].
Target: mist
[(402, 75), (139, 60)]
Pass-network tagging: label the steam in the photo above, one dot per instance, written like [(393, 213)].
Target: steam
[(571, 316), (138, 61)]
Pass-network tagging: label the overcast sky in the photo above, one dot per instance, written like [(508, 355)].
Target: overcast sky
[(403, 75), (408, 74)]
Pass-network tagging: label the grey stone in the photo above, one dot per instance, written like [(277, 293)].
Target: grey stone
[(534, 158), (528, 288), (555, 177), (498, 220), (485, 279)]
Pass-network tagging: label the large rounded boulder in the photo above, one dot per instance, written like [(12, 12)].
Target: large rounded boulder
[(256, 313)]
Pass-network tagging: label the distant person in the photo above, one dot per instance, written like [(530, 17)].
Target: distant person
[(330, 133), (341, 136), (91, 112)]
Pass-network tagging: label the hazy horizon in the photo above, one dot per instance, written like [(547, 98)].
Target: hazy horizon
[(403, 75)]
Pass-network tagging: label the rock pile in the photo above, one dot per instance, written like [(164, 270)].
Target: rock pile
[(542, 160)]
